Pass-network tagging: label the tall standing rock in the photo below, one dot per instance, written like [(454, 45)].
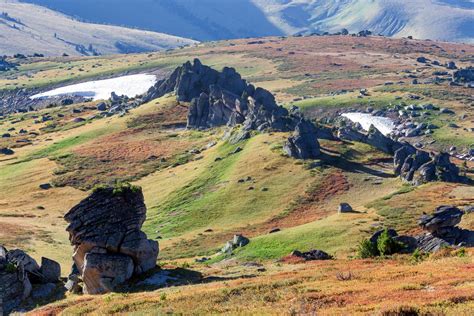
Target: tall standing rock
[(303, 144), (109, 246)]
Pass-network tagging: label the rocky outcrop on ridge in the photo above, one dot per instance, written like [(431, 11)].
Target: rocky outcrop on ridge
[(441, 230), (109, 246), (220, 98), (19, 273), (418, 167), (224, 98), (373, 137)]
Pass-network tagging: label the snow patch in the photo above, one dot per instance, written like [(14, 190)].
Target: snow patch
[(384, 124), (130, 86)]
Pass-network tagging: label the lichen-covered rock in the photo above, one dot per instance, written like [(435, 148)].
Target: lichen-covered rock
[(107, 226), (312, 255)]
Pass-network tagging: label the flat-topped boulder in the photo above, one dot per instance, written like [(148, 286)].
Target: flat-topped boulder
[(441, 230), (106, 226), (444, 217)]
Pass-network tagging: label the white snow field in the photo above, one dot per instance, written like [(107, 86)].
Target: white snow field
[(384, 124), (130, 86)]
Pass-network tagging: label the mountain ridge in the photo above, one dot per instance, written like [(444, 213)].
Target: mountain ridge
[(447, 20), (28, 29)]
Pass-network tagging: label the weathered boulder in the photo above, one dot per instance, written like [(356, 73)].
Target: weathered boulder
[(21, 258), (105, 227), (312, 255), (102, 273), (345, 208), (303, 144), (50, 270), (464, 75), (441, 230), (444, 217), (238, 241), (391, 232), (15, 287)]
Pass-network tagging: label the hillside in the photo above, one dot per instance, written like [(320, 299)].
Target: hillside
[(201, 188), (448, 20), (28, 29)]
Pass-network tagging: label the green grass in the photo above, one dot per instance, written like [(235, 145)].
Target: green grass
[(346, 100), (189, 206), (337, 234)]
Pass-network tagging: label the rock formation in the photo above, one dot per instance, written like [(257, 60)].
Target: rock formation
[(236, 242), (464, 75), (224, 98), (18, 271), (311, 255), (109, 246), (220, 98), (303, 144), (373, 137), (417, 166), (441, 230)]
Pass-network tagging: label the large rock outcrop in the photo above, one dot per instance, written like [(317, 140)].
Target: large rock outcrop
[(418, 167), (220, 98), (224, 98), (441, 230), (109, 246)]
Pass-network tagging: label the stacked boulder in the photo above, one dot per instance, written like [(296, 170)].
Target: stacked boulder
[(19, 272), (224, 98), (441, 230), (109, 246), (418, 167)]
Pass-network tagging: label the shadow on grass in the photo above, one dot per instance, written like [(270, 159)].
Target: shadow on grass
[(350, 166)]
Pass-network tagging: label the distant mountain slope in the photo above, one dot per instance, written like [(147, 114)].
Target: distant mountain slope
[(27, 28), (451, 20), (203, 20)]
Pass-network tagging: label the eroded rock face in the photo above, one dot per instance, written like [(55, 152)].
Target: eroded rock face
[(303, 144), (220, 98), (418, 167), (104, 228)]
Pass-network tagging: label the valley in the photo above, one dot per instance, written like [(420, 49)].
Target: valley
[(201, 187)]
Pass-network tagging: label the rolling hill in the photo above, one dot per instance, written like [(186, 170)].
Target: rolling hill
[(448, 20), (28, 28), (201, 189)]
